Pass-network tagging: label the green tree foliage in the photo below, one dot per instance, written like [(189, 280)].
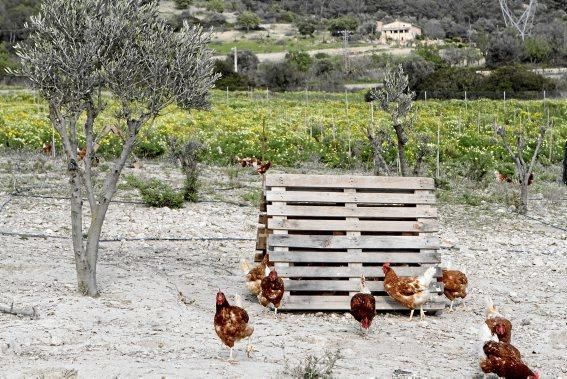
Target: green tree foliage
[(337, 25), (516, 79), (13, 15), (417, 69), (301, 59), (305, 27), (449, 82), (283, 76), (247, 61), (215, 6), (248, 20), (537, 49), (431, 55), (452, 82), (230, 79), (241, 80), (504, 48), (4, 59), (183, 4)]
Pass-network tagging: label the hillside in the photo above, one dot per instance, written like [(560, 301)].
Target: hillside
[(290, 44)]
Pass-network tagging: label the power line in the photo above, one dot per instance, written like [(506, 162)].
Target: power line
[(127, 239)]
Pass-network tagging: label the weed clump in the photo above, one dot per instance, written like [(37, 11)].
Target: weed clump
[(313, 367), (156, 193)]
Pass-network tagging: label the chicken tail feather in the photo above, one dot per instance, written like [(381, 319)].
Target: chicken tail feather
[(490, 308), (484, 335), (427, 277), (245, 266)]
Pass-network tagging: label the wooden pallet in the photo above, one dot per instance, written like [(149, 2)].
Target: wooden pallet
[(324, 231)]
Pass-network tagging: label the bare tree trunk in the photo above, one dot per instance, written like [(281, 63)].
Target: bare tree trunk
[(380, 165), (86, 274), (523, 207), (565, 164), (523, 169), (402, 140), (99, 213)]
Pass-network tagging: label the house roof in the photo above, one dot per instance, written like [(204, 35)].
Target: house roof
[(396, 25)]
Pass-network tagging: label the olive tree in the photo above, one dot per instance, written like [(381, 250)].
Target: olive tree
[(80, 48), (248, 20), (523, 167), (395, 98)]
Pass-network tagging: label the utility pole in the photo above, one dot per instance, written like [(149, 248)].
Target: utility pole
[(524, 23), (235, 59), (345, 34)]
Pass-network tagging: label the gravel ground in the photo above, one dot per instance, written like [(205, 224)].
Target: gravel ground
[(140, 327)]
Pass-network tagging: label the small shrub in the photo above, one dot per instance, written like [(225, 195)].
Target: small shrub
[(469, 198), (253, 197), (188, 154), (312, 367), (232, 173), (191, 187), (182, 4), (156, 193)]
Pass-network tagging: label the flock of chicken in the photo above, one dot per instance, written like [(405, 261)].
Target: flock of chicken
[(497, 354)]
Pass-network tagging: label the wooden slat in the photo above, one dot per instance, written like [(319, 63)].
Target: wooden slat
[(430, 225), (348, 181), (346, 272), (344, 257), (344, 285), (361, 242), (340, 197), (283, 249), (342, 303), (351, 220), (339, 211)]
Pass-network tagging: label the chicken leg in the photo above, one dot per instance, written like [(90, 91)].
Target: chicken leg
[(451, 307), (249, 347), (421, 313), (411, 314)]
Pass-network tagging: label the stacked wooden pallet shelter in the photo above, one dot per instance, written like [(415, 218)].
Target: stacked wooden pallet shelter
[(324, 231)]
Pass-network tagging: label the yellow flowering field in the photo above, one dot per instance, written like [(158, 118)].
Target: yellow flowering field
[(292, 128)]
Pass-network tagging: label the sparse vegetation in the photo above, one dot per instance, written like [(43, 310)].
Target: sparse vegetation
[(156, 193), (314, 367)]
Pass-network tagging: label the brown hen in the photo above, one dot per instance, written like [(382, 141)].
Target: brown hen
[(254, 275), (272, 290), (413, 292), (498, 324), (501, 358), (231, 324), (363, 306), (454, 285)]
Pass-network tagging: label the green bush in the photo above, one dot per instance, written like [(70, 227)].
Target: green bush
[(337, 25), (313, 367), (191, 187), (182, 4), (156, 193)]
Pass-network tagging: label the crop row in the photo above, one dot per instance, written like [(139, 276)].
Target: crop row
[(293, 128)]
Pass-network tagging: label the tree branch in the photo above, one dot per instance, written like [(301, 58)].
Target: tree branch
[(87, 177), (19, 311), (540, 138)]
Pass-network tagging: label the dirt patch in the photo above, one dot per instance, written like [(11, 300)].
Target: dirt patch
[(139, 327)]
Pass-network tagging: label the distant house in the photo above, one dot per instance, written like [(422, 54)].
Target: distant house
[(397, 31)]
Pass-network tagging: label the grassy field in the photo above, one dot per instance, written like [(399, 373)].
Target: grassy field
[(292, 129), (269, 45)]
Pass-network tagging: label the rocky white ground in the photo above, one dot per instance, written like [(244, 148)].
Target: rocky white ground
[(140, 327)]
